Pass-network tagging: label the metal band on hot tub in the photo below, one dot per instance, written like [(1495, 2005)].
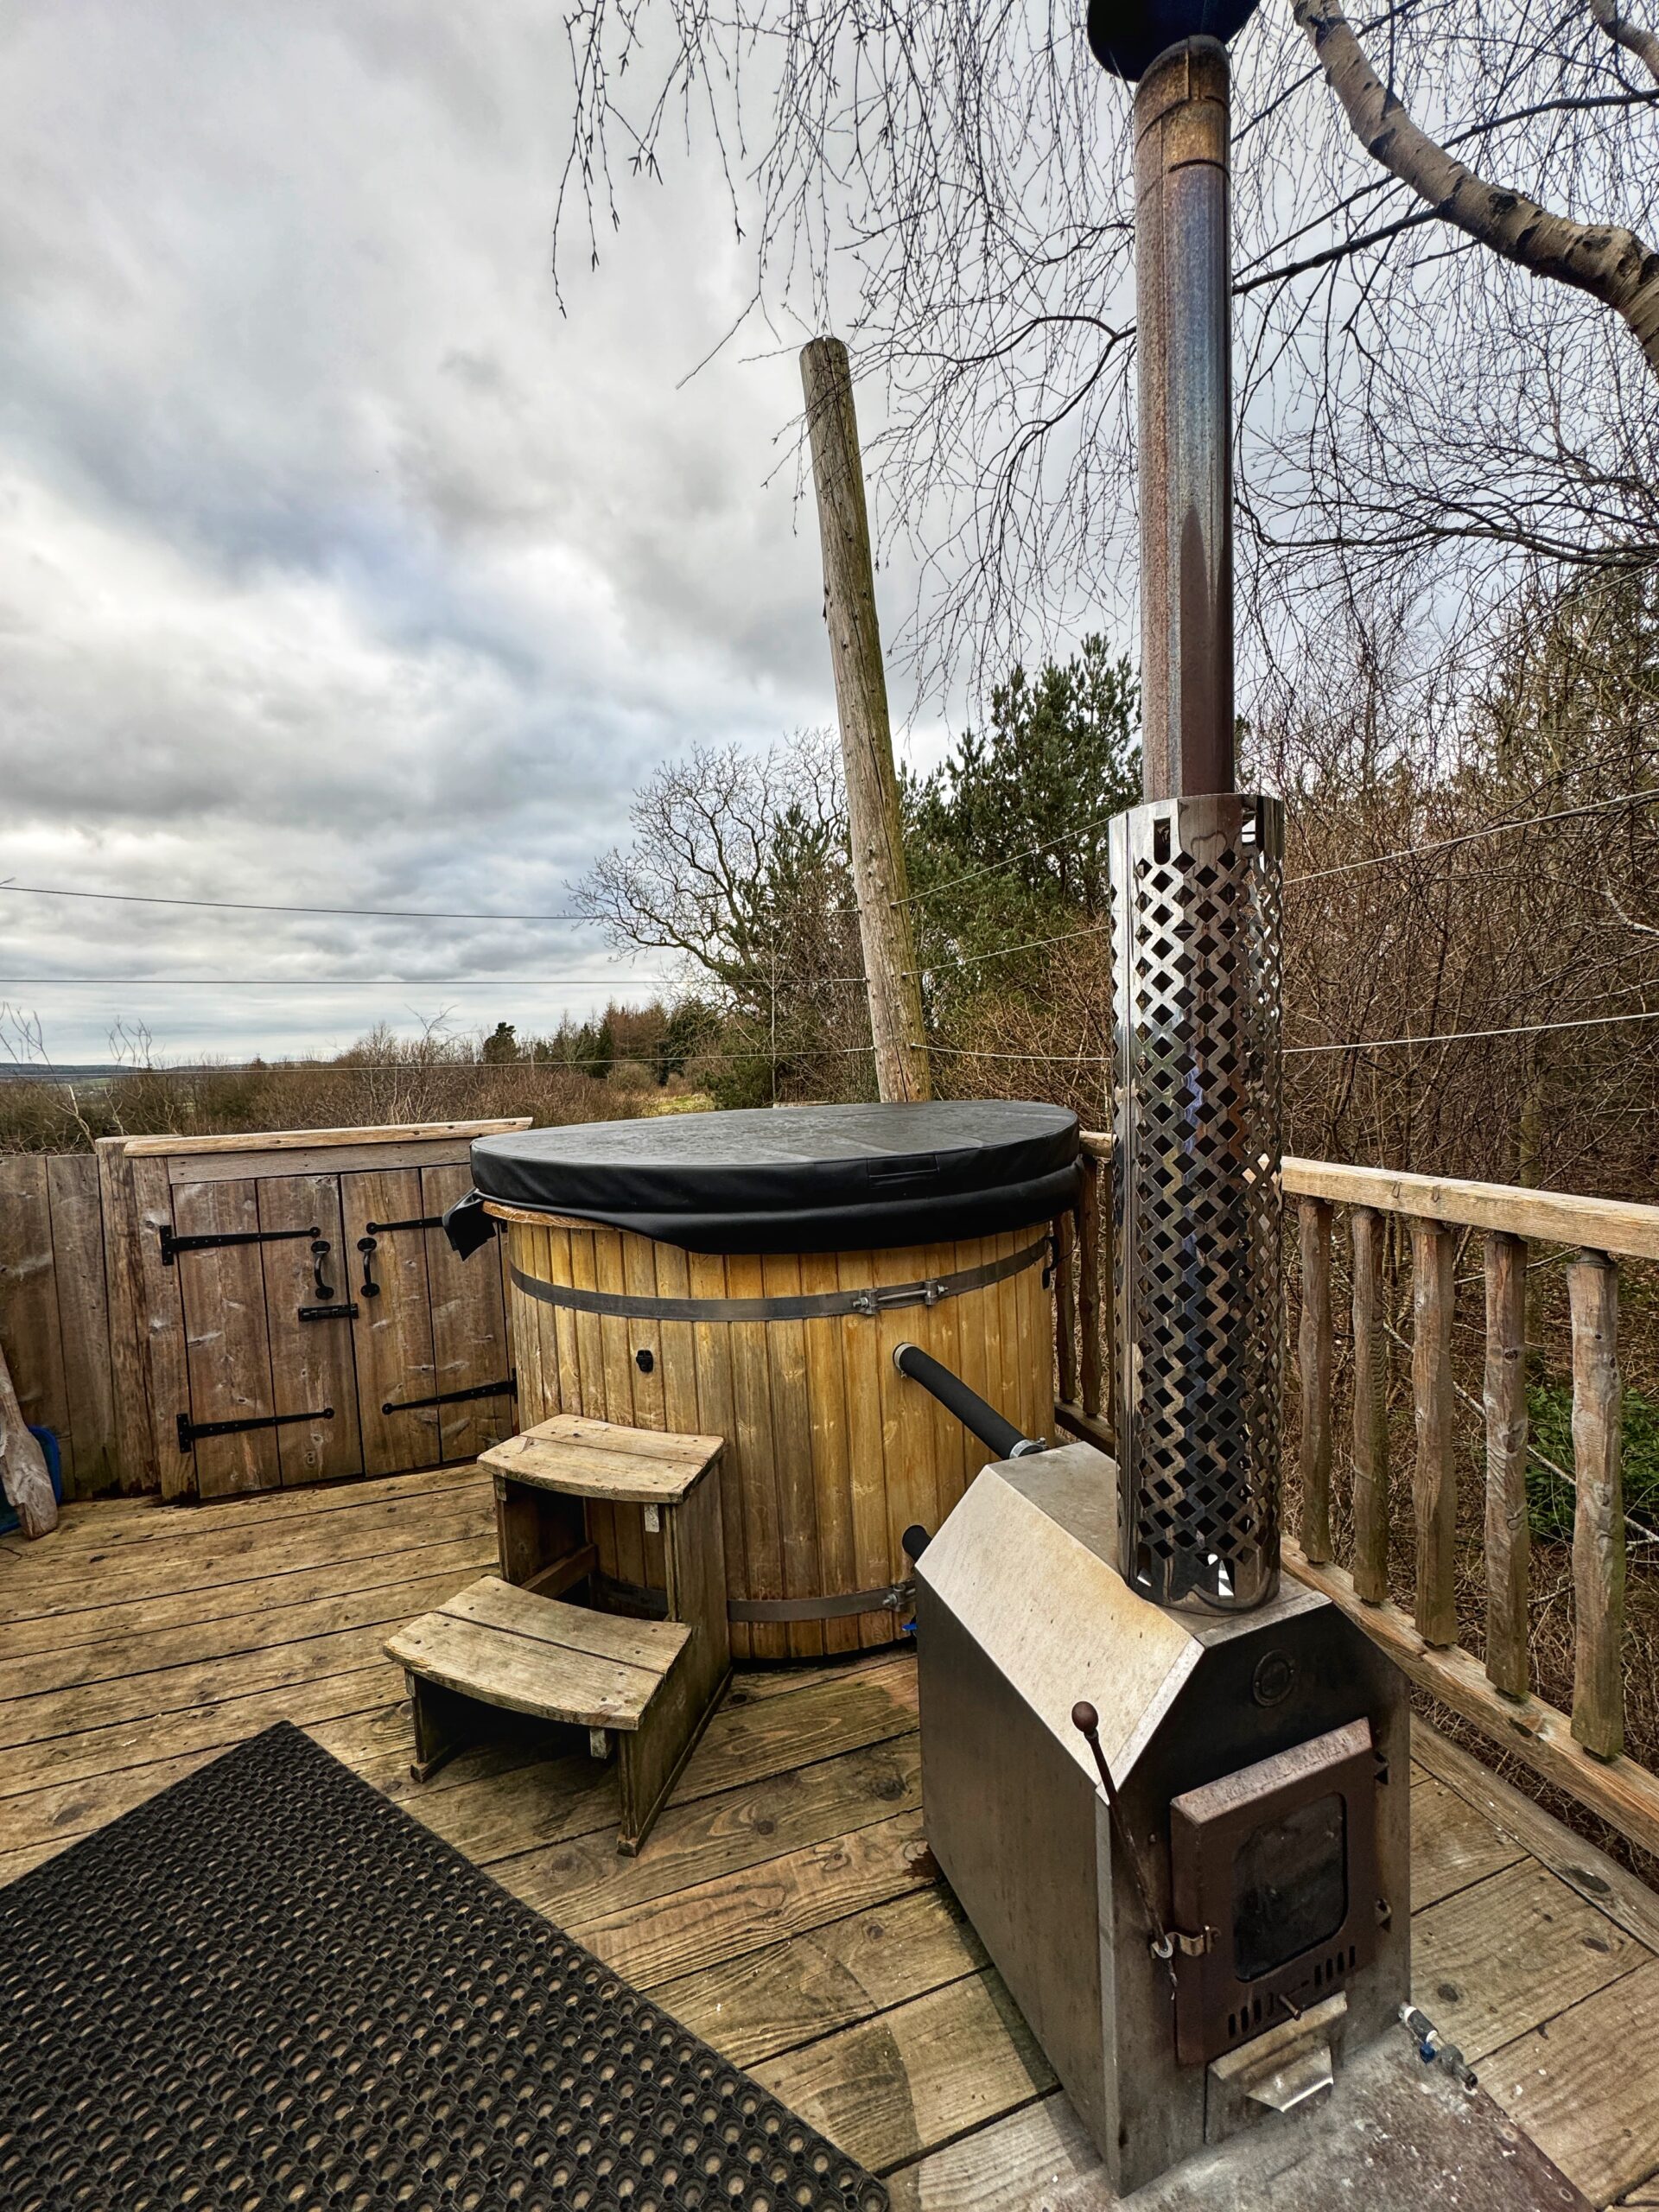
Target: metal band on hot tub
[(822, 1305)]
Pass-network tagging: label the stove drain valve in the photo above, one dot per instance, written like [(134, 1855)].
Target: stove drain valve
[(1432, 2045)]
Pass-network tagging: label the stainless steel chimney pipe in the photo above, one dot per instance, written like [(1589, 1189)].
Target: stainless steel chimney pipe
[(1195, 888), (1183, 263)]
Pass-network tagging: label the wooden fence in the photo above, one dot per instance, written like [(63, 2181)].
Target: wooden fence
[(1582, 1752), (102, 1352), (55, 1309)]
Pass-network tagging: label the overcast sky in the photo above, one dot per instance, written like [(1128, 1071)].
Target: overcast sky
[(336, 567)]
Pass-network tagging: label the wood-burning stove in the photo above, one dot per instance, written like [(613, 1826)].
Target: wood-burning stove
[(1260, 1761)]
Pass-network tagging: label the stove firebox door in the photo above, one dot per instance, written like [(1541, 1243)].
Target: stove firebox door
[(1273, 1883)]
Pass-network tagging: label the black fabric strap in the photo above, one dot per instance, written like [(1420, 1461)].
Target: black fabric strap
[(820, 1305)]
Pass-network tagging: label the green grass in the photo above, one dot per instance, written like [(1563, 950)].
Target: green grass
[(1550, 1500)]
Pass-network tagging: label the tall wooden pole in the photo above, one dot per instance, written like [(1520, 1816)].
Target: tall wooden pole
[(878, 876)]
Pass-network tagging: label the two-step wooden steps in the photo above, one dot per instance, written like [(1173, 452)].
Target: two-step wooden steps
[(515, 1643)]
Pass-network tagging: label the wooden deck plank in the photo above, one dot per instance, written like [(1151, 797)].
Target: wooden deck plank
[(62, 1717), (109, 1525), (1040, 2145), (1507, 1955), (214, 1726), (1600, 1880), (127, 1659), (1452, 1846), (376, 1531), (583, 1882), (1582, 2086), (122, 1638), (507, 1797), (764, 2001), (516, 1807), (707, 1922), (894, 2087)]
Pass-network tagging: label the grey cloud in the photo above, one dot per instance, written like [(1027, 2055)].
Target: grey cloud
[(335, 566)]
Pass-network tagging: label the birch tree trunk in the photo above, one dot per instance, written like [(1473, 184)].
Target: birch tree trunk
[(1609, 263)]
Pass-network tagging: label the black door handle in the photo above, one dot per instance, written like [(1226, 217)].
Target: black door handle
[(320, 1249), (369, 1287)]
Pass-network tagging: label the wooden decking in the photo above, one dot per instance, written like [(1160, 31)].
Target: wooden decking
[(781, 1907)]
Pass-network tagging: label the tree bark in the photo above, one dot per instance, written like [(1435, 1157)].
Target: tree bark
[(1609, 263), (1642, 43), (879, 874)]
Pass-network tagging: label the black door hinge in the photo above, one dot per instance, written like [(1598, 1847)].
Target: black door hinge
[(172, 1245), (509, 1389), (345, 1311), (191, 1432), (424, 1221)]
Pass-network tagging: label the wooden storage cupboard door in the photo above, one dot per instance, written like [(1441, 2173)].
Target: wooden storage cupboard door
[(313, 1366), (469, 1327), (226, 1344), (392, 1333)]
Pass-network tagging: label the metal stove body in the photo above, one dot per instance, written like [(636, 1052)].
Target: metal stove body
[(1261, 1764), (1201, 1953)]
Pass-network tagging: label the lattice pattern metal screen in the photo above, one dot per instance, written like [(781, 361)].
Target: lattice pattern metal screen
[(1196, 904)]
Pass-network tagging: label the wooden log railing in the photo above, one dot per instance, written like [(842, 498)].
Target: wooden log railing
[(1582, 1752)]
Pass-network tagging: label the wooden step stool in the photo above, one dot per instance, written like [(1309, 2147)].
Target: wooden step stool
[(511, 1641)]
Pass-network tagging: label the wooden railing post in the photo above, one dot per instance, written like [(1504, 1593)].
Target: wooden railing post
[(1370, 1409), (1599, 1515), (1434, 1490), (1065, 1305), (1504, 1398), (1313, 1357), (1089, 1310)]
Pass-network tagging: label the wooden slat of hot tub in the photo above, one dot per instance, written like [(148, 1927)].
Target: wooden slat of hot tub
[(831, 1454), (828, 1409)]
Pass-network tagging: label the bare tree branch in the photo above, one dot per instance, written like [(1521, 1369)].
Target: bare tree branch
[(1608, 261), (1643, 44)]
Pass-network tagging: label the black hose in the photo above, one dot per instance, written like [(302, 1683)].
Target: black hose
[(978, 1418)]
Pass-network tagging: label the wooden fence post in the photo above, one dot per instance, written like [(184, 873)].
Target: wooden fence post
[(1313, 1357), (1089, 1218), (1370, 1410), (879, 874), (1435, 1487), (1065, 1305), (1599, 1516), (1505, 1396)]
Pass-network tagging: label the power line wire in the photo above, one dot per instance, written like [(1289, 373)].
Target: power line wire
[(1004, 951), (1365, 1045), (996, 867), (352, 982), (252, 907), (1470, 1036), (1468, 836)]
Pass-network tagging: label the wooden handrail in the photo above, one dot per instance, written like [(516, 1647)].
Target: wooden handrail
[(1583, 1753), (1548, 1217)]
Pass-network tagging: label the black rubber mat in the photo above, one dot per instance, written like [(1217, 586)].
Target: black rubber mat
[(269, 1987)]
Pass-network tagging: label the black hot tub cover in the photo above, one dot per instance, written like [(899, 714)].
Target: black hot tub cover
[(793, 1178)]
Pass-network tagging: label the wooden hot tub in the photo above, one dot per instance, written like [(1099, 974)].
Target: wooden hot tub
[(749, 1275)]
